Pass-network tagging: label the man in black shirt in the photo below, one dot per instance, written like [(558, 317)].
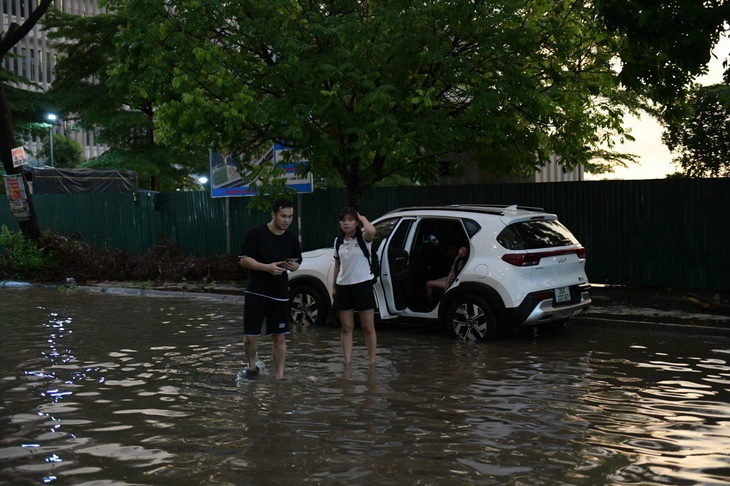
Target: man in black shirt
[(268, 252)]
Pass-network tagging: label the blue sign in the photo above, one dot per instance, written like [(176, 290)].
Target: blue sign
[(227, 181)]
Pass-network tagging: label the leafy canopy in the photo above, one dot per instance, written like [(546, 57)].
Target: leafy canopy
[(367, 89), (702, 140), (664, 45), (120, 118)]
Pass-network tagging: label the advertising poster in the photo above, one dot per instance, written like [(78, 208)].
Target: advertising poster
[(17, 198), (227, 181), (19, 156)]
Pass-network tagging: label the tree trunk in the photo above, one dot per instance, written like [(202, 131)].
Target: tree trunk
[(31, 227), (11, 37)]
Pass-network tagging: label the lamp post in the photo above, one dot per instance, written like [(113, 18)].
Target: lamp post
[(52, 118)]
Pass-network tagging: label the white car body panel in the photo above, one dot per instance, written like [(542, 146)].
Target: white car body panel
[(560, 267)]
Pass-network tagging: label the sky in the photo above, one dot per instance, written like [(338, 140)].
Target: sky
[(655, 159)]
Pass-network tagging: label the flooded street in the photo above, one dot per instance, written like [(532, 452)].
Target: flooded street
[(119, 390)]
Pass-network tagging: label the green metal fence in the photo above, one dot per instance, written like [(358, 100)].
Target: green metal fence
[(654, 233)]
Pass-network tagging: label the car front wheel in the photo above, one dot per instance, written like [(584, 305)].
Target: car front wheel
[(470, 318), (307, 306)]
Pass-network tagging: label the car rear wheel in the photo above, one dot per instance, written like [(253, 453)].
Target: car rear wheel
[(470, 318), (307, 307)]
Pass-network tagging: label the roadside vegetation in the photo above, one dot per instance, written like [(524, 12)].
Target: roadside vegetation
[(59, 258)]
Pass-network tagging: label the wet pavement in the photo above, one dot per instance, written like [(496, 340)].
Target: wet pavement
[(100, 388), (698, 312)]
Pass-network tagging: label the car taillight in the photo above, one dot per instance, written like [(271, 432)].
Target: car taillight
[(532, 259), (522, 259)]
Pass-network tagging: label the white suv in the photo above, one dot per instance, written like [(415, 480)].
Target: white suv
[(524, 269)]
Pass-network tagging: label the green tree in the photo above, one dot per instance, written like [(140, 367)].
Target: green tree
[(702, 140), (368, 89), (8, 140), (28, 107), (121, 118), (664, 45), (67, 153)]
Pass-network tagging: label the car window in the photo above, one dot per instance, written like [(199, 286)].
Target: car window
[(531, 235), (384, 229), (441, 233), (471, 226), (399, 238)]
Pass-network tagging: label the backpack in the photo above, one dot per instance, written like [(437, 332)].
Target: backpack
[(373, 259)]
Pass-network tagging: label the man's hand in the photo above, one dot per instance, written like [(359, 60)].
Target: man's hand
[(291, 265), (275, 268)]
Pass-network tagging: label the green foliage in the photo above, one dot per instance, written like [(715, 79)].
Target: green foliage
[(367, 90), (67, 153), (19, 254), (702, 139), (81, 80), (665, 45), (120, 117), (28, 108)]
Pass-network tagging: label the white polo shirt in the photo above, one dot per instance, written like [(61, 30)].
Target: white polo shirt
[(354, 267)]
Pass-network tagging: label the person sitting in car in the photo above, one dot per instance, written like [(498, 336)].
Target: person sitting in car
[(444, 283)]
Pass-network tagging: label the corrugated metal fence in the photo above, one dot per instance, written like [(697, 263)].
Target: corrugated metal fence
[(654, 233)]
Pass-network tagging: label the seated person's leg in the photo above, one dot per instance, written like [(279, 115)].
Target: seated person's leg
[(438, 283)]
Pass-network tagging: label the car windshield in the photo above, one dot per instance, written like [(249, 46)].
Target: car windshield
[(536, 234)]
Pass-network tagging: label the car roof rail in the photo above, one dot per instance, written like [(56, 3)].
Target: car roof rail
[(498, 209)]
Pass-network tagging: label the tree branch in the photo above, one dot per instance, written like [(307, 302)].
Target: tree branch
[(16, 32)]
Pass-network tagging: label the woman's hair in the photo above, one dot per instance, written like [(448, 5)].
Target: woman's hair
[(349, 211)]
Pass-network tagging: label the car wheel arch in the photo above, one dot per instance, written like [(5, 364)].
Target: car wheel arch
[(312, 282), (314, 286), (485, 291), (470, 317)]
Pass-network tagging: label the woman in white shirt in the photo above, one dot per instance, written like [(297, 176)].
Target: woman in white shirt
[(352, 284)]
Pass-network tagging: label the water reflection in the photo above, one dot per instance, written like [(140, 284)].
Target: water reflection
[(103, 389)]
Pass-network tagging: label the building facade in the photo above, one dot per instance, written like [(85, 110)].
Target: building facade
[(34, 58), (473, 173)]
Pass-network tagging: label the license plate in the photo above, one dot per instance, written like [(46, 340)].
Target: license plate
[(562, 294)]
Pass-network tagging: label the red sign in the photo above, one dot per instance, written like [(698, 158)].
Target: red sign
[(19, 156)]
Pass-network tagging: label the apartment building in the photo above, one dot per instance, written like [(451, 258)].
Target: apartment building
[(34, 58)]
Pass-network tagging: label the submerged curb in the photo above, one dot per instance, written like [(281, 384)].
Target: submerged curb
[(229, 298), (645, 325), (132, 291), (11, 283)]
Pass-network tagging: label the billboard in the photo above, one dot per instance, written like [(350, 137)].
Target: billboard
[(227, 181)]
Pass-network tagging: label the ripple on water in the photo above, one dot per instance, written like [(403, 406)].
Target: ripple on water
[(148, 387)]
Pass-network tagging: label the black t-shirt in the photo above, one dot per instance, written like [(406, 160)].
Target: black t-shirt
[(265, 247)]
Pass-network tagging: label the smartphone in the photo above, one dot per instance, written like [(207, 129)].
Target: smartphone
[(287, 262)]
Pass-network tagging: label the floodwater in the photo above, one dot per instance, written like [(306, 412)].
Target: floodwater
[(102, 389)]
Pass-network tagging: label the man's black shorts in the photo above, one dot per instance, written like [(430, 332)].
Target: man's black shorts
[(258, 308), (357, 297)]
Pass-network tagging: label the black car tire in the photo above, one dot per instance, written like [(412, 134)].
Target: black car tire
[(307, 306), (470, 318)]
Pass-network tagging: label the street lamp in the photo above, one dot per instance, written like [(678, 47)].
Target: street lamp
[(51, 118)]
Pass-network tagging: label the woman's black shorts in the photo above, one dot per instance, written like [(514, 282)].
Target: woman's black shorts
[(359, 297)]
